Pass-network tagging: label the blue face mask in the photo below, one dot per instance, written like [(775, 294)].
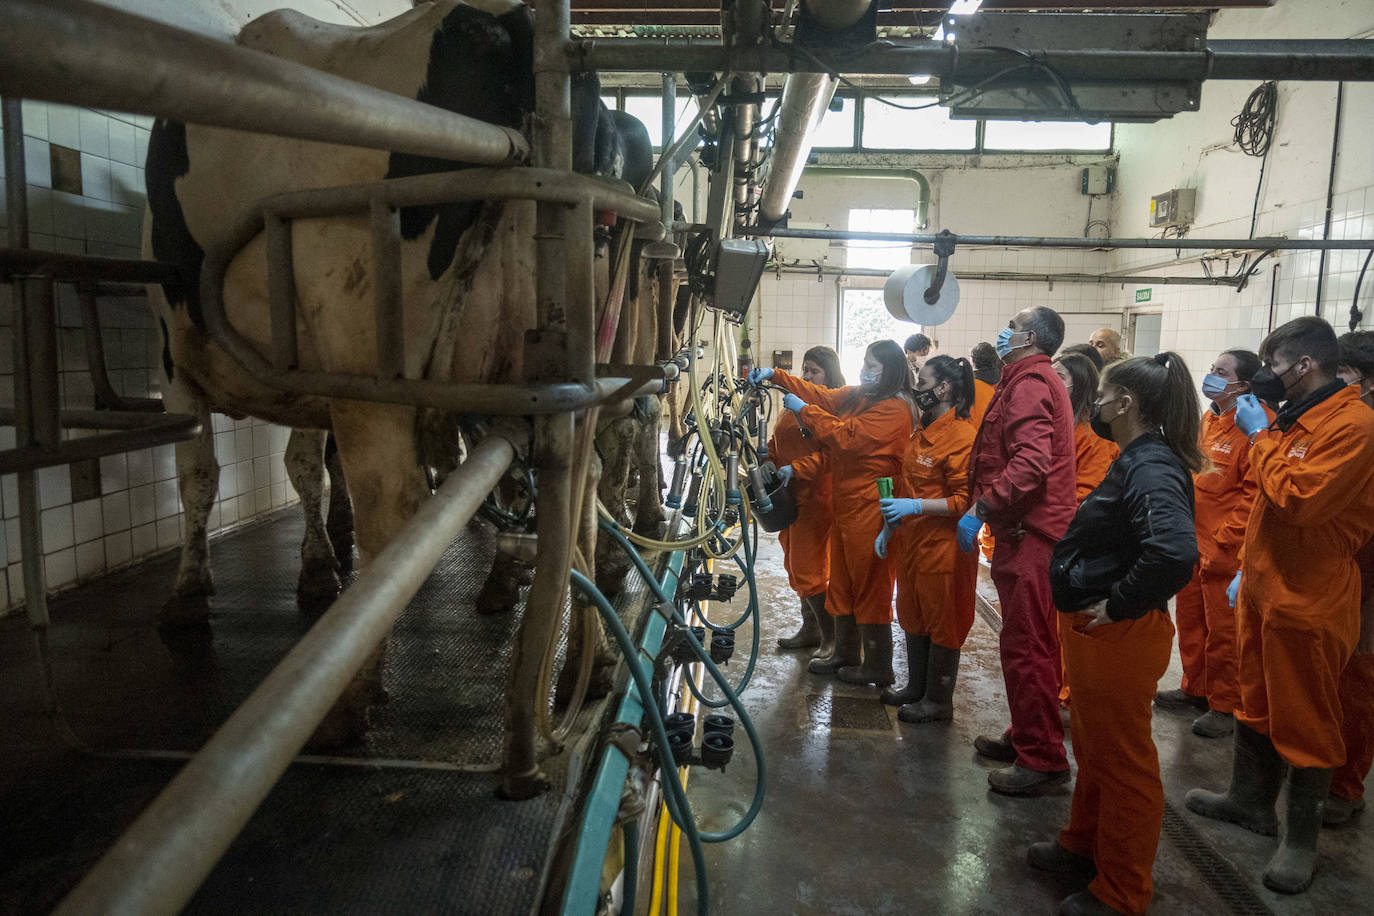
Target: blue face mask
[(1213, 386), (869, 379), (1004, 345)]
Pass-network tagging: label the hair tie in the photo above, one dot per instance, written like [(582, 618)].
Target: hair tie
[(1162, 359)]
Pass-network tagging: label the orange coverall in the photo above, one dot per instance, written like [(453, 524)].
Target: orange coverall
[(935, 580), (861, 446), (1298, 614), (1095, 456), (805, 542), (1205, 620), (1356, 693), (982, 397)]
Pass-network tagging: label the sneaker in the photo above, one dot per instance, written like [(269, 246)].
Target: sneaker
[(1213, 724), (998, 748), (1016, 780), (1053, 857), (1177, 700)]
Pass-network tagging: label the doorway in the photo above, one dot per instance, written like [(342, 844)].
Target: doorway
[(1145, 331)]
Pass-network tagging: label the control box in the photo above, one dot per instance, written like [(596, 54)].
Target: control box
[(1173, 209), (1097, 179), (739, 264)]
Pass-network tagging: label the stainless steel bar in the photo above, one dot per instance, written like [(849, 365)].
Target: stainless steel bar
[(281, 291), (161, 859), (386, 289), (36, 324), (20, 259), (131, 63), (105, 395), (581, 293), (666, 179), (1018, 277), (1021, 241), (1281, 59), (804, 100), (704, 106), (168, 428), (102, 419)]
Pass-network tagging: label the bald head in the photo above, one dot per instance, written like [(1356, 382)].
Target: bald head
[(1107, 343)]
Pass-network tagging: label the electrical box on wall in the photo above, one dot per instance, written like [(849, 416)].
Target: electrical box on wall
[(1097, 179), (1174, 208), (804, 250)]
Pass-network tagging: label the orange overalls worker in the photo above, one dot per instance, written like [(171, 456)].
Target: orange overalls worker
[(1021, 475), (1356, 688), (1131, 546), (935, 580), (1093, 457), (806, 542), (1205, 619), (1298, 607), (982, 397), (863, 431)]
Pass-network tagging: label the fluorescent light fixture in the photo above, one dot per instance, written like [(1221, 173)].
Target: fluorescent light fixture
[(919, 79), (964, 7)]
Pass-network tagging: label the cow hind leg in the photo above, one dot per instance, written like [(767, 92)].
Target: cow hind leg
[(318, 584), (340, 522), (649, 518), (198, 480)]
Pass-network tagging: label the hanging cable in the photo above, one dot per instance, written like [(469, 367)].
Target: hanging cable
[(1255, 132), (1356, 316)]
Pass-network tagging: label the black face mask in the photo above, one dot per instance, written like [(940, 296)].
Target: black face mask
[(926, 400), (1267, 386), (1099, 425)]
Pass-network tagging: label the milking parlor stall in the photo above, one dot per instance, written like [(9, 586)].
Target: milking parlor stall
[(384, 484)]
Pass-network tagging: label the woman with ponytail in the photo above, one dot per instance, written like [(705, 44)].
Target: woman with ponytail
[(935, 580), (1130, 548), (863, 431)]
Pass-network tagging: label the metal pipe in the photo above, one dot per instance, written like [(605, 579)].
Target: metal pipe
[(71, 268), (105, 395), (694, 164), (162, 858), (1019, 241), (1279, 59), (665, 189), (581, 305), (163, 429), (805, 98), (922, 183), (131, 63), (386, 290), (1330, 189), (705, 105), (1018, 277), (281, 286)]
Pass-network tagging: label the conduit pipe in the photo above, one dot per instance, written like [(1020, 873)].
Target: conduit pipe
[(156, 866), (83, 53), (805, 98), (922, 207), (1033, 241)]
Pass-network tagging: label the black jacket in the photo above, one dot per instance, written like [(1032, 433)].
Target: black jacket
[(1132, 540)]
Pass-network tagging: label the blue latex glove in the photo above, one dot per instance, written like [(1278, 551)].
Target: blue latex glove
[(1233, 590), (894, 510), (969, 526), (792, 402), (880, 544), (1250, 415), (785, 474), (759, 376)]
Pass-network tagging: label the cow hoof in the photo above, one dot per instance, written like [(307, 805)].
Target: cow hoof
[(316, 592), (189, 609)]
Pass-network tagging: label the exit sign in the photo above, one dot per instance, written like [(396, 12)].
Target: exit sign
[(1142, 295)]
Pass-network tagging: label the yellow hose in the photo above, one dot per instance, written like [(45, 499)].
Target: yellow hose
[(660, 851)]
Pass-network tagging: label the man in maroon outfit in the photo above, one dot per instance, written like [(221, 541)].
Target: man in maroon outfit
[(1022, 479)]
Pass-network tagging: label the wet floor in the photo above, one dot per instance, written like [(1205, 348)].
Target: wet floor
[(868, 815)]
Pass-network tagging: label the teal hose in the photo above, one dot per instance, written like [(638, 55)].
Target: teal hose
[(761, 776)]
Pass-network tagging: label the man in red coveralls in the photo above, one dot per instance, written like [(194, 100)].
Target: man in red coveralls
[(1022, 481)]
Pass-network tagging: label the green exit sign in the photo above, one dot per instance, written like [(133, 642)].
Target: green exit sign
[(1142, 295)]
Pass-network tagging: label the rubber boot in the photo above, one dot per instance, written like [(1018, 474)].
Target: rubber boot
[(1256, 776), (938, 703), (1290, 870), (809, 636), (877, 663), (917, 654), (846, 651), (826, 624)]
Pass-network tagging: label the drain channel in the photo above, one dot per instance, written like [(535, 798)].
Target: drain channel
[(1219, 874)]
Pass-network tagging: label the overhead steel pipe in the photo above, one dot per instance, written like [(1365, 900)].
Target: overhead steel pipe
[(82, 53), (805, 98), (1034, 241)]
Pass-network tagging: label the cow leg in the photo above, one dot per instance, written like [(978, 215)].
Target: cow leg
[(318, 584), (603, 662), (501, 591), (198, 480), (340, 521), (387, 484), (649, 518), (616, 441)]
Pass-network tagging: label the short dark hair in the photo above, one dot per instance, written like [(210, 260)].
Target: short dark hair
[(1083, 375), (1247, 362), (916, 343), (984, 356), (1357, 351), (1048, 328), (829, 361), (1087, 351), (1308, 336)]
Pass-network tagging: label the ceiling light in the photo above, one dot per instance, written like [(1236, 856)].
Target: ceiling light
[(964, 7)]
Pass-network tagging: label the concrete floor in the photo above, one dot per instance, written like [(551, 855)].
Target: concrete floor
[(897, 818)]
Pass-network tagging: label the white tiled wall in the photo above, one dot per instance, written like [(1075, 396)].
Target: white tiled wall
[(138, 512)]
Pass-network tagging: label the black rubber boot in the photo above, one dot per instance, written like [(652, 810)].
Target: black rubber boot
[(917, 654), (809, 636), (846, 651), (938, 703), (877, 663), (1256, 776), (1290, 870), (826, 624)]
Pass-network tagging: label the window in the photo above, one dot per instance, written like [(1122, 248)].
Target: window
[(649, 110), (880, 255), (1043, 135), (836, 129), (886, 127), (610, 102), (863, 319)]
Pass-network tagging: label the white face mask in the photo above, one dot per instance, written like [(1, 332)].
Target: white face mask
[(869, 379)]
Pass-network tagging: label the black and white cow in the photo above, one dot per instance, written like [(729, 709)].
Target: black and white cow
[(467, 269)]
